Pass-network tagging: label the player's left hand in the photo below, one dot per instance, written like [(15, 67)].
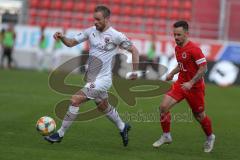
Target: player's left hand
[(187, 85)]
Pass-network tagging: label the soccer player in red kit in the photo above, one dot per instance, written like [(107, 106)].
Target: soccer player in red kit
[(192, 66)]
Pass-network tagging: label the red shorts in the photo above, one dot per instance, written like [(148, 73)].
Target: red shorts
[(194, 96)]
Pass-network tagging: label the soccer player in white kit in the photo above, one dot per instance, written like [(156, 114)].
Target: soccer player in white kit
[(104, 43)]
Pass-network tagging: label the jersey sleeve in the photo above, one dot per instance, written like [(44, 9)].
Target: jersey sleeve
[(199, 57), (122, 41), (83, 35)]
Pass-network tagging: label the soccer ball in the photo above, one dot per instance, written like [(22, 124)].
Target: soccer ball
[(46, 125)]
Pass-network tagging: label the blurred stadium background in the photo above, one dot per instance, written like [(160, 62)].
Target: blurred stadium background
[(214, 26), (25, 95)]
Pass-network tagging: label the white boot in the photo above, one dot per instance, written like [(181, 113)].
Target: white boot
[(162, 140), (208, 145)]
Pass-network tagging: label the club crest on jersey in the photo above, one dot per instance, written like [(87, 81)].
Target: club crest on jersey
[(92, 85), (184, 55), (106, 40), (109, 45)]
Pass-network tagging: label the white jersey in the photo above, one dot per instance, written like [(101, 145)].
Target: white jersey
[(103, 47)]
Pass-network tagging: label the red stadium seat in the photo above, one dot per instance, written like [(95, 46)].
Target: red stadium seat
[(139, 11), (174, 14), (33, 13), (175, 4), (67, 15), (77, 25), (46, 4), (80, 7), (50, 22), (186, 15), (90, 7), (137, 30), (55, 14), (43, 22), (163, 3), (159, 32), (150, 12), (43, 14), (152, 3), (56, 4), (114, 19), (128, 30), (53, 23), (138, 21), (127, 20), (116, 1), (116, 9), (31, 21), (102, 1), (66, 24), (162, 13), (87, 25), (79, 17), (128, 2), (149, 22), (34, 4), (149, 31), (161, 25), (127, 10), (89, 18), (187, 4), (139, 2), (68, 5)]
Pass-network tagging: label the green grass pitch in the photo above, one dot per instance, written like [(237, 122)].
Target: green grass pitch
[(25, 96)]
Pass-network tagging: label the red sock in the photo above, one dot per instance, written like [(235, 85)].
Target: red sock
[(207, 126), (165, 120)]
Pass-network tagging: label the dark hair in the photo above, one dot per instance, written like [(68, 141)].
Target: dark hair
[(105, 11), (183, 24)]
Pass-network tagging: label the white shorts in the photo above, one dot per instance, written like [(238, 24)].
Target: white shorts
[(97, 90)]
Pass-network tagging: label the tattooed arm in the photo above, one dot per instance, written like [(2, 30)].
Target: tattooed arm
[(69, 42), (172, 73), (200, 73)]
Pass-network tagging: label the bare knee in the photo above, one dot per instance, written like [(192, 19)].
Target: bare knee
[(103, 105), (164, 108), (77, 99), (199, 116), (167, 103)]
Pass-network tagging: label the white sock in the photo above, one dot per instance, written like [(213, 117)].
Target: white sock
[(70, 116), (113, 115), (168, 135), (210, 137)]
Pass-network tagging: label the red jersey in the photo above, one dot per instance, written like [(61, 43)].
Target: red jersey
[(189, 58)]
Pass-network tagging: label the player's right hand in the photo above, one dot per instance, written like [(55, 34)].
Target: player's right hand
[(133, 76), (58, 35), (169, 77)]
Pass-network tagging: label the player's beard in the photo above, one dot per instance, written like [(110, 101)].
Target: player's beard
[(178, 42), (100, 28)]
